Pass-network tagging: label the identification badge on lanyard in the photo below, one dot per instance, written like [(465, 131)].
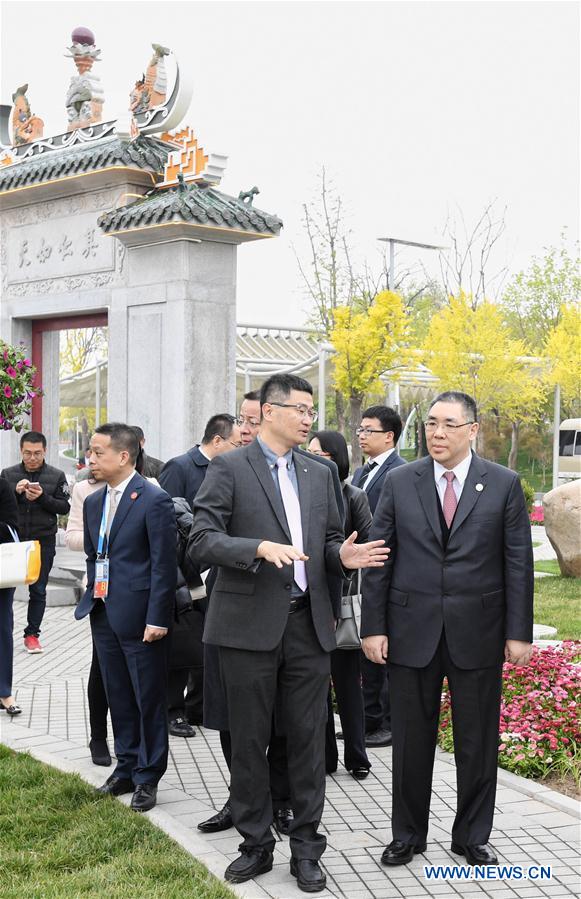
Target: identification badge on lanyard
[(101, 586), (101, 579)]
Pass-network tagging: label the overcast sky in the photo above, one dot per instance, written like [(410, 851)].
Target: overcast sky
[(414, 109)]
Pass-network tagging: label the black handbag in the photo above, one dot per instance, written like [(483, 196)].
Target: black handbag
[(347, 633)]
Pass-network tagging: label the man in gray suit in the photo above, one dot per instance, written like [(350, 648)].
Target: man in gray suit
[(454, 600), (267, 517)]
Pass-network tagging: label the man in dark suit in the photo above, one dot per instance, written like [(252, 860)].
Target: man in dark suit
[(267, 517), (183, 476), (378, 434), (130, 542), (455, 600)]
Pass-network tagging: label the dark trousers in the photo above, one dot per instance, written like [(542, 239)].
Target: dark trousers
[(415, 708), (6, 641), (37, 591), (375, 695), (277, 764), (346, 677), (194, 701), (135, 678), (177, 679), (295, 676), (97, 698)]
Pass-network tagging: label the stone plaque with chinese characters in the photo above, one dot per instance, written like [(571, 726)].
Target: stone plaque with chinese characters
[(58, 248)]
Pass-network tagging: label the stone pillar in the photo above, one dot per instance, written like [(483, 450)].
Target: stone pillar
[(172, 341)]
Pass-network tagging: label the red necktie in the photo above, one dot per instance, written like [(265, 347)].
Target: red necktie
[(450, 501)]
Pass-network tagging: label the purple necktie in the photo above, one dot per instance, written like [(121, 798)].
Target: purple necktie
[(292, 509), (450, 500)]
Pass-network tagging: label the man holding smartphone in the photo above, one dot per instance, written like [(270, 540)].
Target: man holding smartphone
[(42, 494)]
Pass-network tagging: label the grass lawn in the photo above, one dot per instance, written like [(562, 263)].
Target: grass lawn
[(62, 840), (557, 602)]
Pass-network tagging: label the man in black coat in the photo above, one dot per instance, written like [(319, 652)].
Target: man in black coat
[(182, 476), (455, 600), (378, 433), (42, 494), (268, 519)]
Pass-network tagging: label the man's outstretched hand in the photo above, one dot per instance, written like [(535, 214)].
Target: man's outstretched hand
[(363, 555)]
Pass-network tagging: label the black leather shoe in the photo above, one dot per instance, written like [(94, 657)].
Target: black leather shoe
[(359, 773), (222, 820), (282, 820), (116, 786), (310, 878), (250, 863), (144, 798), (399, 853), (11, 709), (100, 752), (476, 855), (381, 737), (179, 727)]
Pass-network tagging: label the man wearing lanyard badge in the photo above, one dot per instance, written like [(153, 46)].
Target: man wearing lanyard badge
[(130, 542)]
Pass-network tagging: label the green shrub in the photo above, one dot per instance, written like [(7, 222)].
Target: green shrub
[(529, 492)]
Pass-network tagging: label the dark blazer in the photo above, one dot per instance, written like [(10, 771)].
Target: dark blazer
[(328, 463), (357, 512), (8, 511), (183, 475), (236, 508), (374, 492), (142, 558), (478, 586)]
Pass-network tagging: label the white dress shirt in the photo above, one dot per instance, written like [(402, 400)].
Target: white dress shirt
[(120, 488), (461, 473), (379, 460)]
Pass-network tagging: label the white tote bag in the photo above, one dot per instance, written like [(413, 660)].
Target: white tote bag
[(19, 562)]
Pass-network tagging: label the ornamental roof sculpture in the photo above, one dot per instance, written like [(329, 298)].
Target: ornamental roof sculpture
[(183, 174), (25, 126), (85, 97)]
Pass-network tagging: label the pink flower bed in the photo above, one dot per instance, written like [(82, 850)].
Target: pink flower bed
[(537, 515), (539, 716)]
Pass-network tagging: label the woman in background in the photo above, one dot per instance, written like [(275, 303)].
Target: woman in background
[(346, 663), (8, 524), (98, 705)]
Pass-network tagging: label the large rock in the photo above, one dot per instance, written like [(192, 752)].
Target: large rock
[(563, 525)]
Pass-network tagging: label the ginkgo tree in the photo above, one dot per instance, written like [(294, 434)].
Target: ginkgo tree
[(369, 340), (563, 355), (470, 348)]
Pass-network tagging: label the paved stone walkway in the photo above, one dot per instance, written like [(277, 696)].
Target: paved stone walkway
[(533, 825)]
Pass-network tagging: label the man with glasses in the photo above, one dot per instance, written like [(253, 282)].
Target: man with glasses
[(455, 600), (183, 476), (267, 518), (42, 494), (378, 434), (215, 704)]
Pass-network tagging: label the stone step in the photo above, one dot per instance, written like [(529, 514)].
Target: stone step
[(56, 595), (543, 630)]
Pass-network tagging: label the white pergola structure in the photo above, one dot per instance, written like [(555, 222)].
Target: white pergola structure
[(263, 350)]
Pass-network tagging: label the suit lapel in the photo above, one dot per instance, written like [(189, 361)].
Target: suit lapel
[(470, 495), (135, 486), (258, 462), (94, 514), (426, 488), (304, 482)]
